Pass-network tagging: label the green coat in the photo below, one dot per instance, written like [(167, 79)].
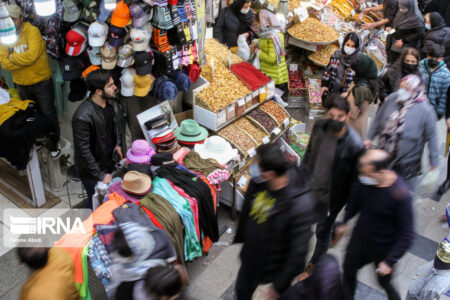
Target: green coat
[(268, 59)]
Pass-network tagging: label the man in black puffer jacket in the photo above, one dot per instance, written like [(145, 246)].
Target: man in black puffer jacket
[(438, 34), (275, 224)]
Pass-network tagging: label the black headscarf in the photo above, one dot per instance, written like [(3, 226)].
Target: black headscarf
[(436, 21), (247, 18), (410, 19)]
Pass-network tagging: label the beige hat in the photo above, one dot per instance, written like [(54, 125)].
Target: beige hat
[(136, 183), (109, 57), (14, 11)]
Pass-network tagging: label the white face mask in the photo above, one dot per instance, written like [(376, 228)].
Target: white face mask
[(349, 50), (427, 26), (366, 180), (403, 95), (245, 11)]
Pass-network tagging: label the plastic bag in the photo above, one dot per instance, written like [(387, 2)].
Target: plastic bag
[(243, 48)]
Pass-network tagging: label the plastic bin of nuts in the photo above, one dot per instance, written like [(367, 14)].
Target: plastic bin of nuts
[(241, 140), (275, 111), (258, 134), (264, 119)]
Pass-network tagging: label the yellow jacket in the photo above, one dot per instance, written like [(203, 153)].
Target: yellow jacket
[(27, 59)]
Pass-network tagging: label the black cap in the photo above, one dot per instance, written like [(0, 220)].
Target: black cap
[(163, 159), (78, 90), (141, 168), (73, 66), (116, 35), (143, 62)]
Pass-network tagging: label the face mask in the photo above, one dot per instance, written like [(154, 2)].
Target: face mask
[(349, 50), (255, 172), (366, 180), (427, 26), (245, 11), (403, 95), (409, 68), (335, 126), (433, 63)]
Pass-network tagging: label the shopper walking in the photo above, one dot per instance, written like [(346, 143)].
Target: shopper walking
[(30, 69), (270, 49), (389, 9), (275, 225), (441, 6), (96, 135), (445, 185), (404, 124), (331, 159), (407, 63), (409, 30), (234, 21), (438, 34), (338, 75), (384, 230)]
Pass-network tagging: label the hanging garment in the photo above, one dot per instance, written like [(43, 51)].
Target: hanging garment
[(194, 162)]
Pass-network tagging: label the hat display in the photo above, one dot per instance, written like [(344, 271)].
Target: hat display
[(180, 154), (141, 168), (164, 137), (94, 55), (116, 36), (127, 84), (14, 11), (163, 159), (98, 32), (109, 57), (139, 39), (125, 56), (106, 8), (141, 13), (142, 85), (89, 70), (78, 90), (182, 80), (76, 41), (164, 89), (121, 15), (143, 63), (140, 152), (444, 250), (73, 66), (217, 148), (190, 131), (71, 11), (193, 70), (136, 183)]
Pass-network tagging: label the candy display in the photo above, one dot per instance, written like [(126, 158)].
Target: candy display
[(237, 137), (256, 133), (250, 75), (299, 142), (220, 53), (275, 111), (314, 91), (263, 118), (313, 31), (289, 157), (296, 81), (322, 56)]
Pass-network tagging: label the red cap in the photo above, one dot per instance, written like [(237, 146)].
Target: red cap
[(76, 41)]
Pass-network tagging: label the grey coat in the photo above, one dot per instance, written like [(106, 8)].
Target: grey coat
[(429, 283)]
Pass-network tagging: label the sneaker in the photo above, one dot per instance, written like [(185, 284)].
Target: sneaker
[(55, 150)]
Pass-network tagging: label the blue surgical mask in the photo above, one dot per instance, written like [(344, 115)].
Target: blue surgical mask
[(366, 180), (255, 173), (427, 26)]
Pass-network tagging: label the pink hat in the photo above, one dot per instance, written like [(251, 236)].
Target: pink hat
[(180, 154), (140, 152)]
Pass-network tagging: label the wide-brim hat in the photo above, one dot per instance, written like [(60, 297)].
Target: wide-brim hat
[(140, 152), (217, 148), (190, 131), (136, 183)]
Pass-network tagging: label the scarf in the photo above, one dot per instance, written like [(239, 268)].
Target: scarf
[(410, 19), (365, 70), (247, 18), (270, 26), (436, 21), (345, 61)]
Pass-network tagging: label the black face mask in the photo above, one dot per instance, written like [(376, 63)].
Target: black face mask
[(335, 126), (433, 63), (409, 68)]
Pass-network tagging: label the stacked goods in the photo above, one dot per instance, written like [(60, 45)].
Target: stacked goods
[(322, 56), (237, 137), (263, 119), (251, 76), (220, 53), (275, 111), (296, 81), (274, 3), (293, 4), (247, 126), (313, 31), (342, 7)]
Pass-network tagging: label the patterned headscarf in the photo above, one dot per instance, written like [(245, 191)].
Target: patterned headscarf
[(270, 26)]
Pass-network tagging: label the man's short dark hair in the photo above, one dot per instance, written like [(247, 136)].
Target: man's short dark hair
[(163, 281), (36, 258), (338, 102), (98, 79), (436, 51), (271, 158)]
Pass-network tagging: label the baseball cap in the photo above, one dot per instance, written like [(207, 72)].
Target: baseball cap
[(116, 35), (71, 11), (105, 12), (97, 34), (141, 13), (143, 62), (109, 57), (125, 56), (90, 10), (139, 39), (127, 84), (142, 85), (121, 15), (89, 70), (76, 41), (94, 55), (14, 11), (73, 66)]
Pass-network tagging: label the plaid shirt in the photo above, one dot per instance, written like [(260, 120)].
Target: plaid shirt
[(332, 72)]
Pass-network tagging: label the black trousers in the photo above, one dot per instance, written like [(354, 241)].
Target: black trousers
[(42, 93), (324, 229), (89, 185), (361, 252)]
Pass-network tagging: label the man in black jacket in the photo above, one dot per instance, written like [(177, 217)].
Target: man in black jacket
[(95, 133), (331, 159), (275, 225)]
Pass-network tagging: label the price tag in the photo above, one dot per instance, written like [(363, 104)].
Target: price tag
[(229, 61), (353, 13), (302, 13), (221, 117), (276, 131), (212, 68), (255, 94), (248, 98), (261, 2), (230, 108), (241, 164), (286, 122), (270, 8), (252, 152), (271, 85), (241, 102), (262, 90), (266, 140), (242, 182), (313, 82), (363, 6), (293, 67)]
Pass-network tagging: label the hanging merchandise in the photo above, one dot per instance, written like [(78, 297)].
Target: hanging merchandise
[(71, 11), (109, 57), (121, 15), (78, 90), (125, 58), (143, 62), (45, 8), (77, 40), (116, 36), (217, 148), (127, 84), (139, 39), (97, 32), (95, 56), (143, 85)]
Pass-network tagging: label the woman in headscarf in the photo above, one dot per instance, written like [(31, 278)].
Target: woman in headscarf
[(363, 92), (338, 75), (389, 8), (270, 49), (233, 21), (438, 33), (443, 7), (404, 124), (409, 29)]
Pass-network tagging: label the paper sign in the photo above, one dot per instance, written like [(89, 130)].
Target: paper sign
[(241, 102), (212, 68), (302, 13), (262, 90), (230, 108), (252, 152), (242, 181), (276, 131), (241, 164), (266, 140), (353, 13), (270, 8), (255, 93), (221, 117), (271, 85), (286, 122), (313, 81), (293, 67), (248, 98)]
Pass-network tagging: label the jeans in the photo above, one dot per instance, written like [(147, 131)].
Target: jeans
[(42, 93), (361, 252), (89, 185), (324, 229), (246, 282)]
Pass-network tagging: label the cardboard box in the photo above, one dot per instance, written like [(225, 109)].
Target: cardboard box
[(188, 114)]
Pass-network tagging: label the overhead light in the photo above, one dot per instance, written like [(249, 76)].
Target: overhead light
[(8, 40), (7, 28), (110, 4), (45, 8)]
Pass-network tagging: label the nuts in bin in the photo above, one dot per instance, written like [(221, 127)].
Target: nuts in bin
[(312, 30), (263, 118), (256, 133), (238, 137), (275, 111)]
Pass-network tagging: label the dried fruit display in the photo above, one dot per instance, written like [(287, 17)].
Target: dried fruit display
[(263, 118), (312, 30), (275, 111), (293, 4), (274, 3), (237, 137), (323, 54), (220, 53), (256, 133)]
